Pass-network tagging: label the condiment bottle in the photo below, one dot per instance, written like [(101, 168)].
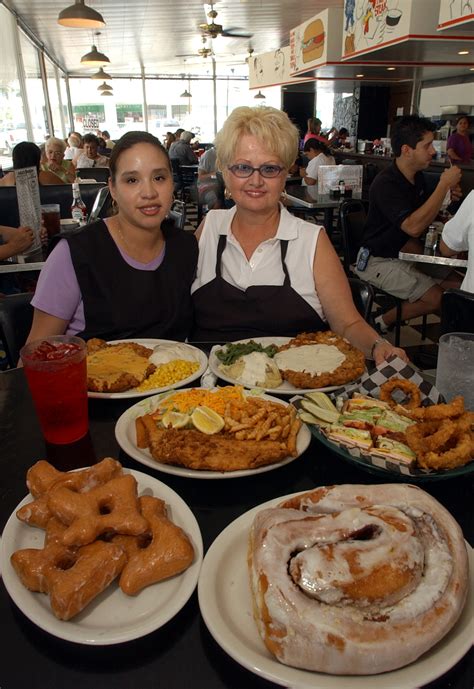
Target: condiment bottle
[(430, 241), (78, 208), (342, 187)]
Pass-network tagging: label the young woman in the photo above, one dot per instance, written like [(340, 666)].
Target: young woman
[(261, 270), (318, 154), (127, 276), (459, 147)]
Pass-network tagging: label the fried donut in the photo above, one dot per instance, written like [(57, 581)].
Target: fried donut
[(71, 577), (42, 477), (163, 552), (410, 390), (110, 508), (356, 579)]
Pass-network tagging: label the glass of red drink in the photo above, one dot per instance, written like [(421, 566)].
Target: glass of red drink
[(56, 371), (51, 218)]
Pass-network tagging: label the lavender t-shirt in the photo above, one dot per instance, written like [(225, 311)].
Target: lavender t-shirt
[(58, 293)]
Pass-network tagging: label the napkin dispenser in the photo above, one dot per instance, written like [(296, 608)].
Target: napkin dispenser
[(335, 193)]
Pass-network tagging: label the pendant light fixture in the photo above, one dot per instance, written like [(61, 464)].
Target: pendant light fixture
[(259, 95), (187, 92), (101, 75), (94, 58), (105, 87), (106, 93), (79, 16)]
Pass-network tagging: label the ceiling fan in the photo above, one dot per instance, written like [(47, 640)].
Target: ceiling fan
[(213, 30), (204, 52)]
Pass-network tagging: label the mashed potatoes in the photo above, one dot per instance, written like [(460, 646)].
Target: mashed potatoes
[(254, 369), (164, 353)]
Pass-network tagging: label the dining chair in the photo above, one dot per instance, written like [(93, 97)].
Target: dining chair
[(363, 295), (178, 214), (16, 316)]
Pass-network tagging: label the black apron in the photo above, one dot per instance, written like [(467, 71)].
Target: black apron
[(122, 302), (225, 313)]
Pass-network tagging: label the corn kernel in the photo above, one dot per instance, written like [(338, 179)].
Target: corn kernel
[(168, 374)]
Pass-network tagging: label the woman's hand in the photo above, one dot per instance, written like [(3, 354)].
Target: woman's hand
[(383, 350)]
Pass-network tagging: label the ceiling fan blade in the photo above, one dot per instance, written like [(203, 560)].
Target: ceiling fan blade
[(236, 33)]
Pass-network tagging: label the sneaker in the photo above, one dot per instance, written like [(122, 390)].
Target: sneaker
[(380, 325)]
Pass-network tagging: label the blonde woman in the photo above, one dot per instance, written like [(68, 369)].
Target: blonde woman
[(261, 270), (55, 162)]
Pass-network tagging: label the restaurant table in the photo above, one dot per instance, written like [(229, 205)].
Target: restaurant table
[(182, 654), (20, 267), (433, 260), (308, 197)]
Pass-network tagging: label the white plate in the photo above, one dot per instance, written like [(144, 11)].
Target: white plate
[(126, 437), (201, 358), (285, 388), (112, 617), (226, 606)]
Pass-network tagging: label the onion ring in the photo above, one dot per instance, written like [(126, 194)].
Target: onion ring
[(440, 411), (453, 457), (411, 391), (429, 436)]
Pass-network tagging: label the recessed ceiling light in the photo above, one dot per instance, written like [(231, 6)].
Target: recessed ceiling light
[(463, 52), (359, 75), (390, 69)]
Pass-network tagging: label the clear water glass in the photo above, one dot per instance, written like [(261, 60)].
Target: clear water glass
[(455, 369)]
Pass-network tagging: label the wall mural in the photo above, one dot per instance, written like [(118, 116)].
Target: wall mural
[(370, 23)]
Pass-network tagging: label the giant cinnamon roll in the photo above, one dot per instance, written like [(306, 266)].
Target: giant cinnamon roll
[(356, 579)]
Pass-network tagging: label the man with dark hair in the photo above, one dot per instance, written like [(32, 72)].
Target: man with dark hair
[(400, 211)]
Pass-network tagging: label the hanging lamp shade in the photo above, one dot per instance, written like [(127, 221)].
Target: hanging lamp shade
[(106, 93), (101, 75), (186, 94), (104, 87), (79, 16), (259, 95), (94, 58)]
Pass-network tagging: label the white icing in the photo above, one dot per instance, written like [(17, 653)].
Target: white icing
[(313, 359)]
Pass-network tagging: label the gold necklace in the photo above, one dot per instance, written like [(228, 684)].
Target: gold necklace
[(132, 250)]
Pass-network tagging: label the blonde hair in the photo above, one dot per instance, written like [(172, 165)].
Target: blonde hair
[(270, 126), (53, 141)]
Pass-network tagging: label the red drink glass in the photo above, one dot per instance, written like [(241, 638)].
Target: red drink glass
[(51, 218), (56, 371)]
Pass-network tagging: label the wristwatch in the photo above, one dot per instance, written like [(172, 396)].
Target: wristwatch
[(377, 342)]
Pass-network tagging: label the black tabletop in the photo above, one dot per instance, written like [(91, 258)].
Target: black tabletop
[(182, 653)]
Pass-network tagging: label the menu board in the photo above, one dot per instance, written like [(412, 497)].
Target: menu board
[(271, 69), (29, 208), (453, 13), (316, 42)]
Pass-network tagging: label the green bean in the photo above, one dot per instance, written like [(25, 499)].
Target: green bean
[(231, 352)]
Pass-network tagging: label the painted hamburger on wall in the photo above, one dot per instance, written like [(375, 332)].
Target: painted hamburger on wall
[(313, 41)]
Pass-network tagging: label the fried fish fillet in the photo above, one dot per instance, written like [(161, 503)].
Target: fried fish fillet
[(195, 450), (117, 367)]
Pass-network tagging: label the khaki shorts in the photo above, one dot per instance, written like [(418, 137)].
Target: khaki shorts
[(400, 278)]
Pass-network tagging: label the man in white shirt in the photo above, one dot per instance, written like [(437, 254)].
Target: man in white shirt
[(458, 235)]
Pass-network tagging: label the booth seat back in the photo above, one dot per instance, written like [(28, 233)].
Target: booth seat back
[(50, 193)]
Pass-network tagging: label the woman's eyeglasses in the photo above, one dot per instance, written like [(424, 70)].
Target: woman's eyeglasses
[(242, 170)]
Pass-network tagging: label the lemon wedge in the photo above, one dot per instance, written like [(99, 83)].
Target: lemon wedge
[(207, 420), (174, 419)]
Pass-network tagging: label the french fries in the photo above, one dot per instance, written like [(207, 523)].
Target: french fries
[(257, 419)]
